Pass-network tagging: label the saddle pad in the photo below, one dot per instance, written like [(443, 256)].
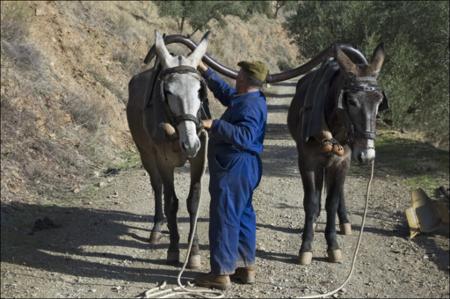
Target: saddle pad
[(317, 90)]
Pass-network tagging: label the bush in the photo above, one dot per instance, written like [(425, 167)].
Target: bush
[(15, 16), (129, 63), (415, 74), (14, 30), (284, 65), (88, 114), (199, 13)]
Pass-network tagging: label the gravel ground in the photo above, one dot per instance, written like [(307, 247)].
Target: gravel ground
[(100, 248)]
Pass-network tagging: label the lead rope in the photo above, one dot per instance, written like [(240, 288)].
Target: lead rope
[(161, 291), (357, 245)]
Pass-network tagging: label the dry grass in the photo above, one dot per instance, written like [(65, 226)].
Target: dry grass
[(65, 74), (86, 113), (13, 17)]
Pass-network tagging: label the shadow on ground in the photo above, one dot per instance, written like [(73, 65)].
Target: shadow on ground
[(269, 94), (277, 132), (278, 108), (280, 161), (62, 250)]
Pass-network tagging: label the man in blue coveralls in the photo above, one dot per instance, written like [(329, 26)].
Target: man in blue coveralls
[(236, 140)]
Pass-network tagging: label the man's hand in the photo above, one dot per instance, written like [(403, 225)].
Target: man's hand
[(202, 67), (207, 123)]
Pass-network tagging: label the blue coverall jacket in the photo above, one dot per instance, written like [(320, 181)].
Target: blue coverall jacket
[(236, 140)]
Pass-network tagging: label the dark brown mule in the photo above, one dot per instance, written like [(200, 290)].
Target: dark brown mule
[(350, 110)]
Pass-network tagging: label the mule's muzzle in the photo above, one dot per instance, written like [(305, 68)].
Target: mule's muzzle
[(364, 151), (191, 151)]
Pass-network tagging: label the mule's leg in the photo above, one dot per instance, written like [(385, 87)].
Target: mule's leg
[(193, 200), (311, 207), (335, 187), (318, 181), (156, 182), (171, 209), (345, 226)]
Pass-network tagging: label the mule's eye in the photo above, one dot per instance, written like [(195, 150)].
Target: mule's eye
[(352, 102)]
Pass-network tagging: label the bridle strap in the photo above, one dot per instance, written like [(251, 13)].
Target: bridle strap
[(181, 69), (187, 117), (354, 85)]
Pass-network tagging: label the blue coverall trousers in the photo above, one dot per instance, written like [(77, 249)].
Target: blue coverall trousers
[(232, 228)]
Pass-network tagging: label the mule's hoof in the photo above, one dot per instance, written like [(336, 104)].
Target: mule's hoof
[(345, 229), (194, 262), (335, 256), (305, 258), (173, 257), (154, 237)]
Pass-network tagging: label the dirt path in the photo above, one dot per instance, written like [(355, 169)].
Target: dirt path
[(100, 250)]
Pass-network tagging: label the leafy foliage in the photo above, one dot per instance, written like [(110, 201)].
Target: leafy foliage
[(199, 13), (416, 34)]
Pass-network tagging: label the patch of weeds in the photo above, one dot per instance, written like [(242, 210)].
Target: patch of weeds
[(14, 30), (25, 56), (427, 182), (283, 64), (15, 19), (89, 114), (109, 85), (121, 27), (127, 160), (419, 163), (128, 63)]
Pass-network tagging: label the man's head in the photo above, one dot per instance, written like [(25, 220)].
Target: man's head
[(252, 75)]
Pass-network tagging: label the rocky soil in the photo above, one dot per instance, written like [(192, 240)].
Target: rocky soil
[(98, 245)]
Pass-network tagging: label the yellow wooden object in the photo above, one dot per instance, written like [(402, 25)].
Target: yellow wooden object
[(423, 216)]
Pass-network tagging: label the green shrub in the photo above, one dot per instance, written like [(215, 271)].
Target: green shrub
[(416, 71), (199, 13)]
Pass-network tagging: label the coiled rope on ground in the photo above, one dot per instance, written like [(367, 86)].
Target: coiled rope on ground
[(183, 290)]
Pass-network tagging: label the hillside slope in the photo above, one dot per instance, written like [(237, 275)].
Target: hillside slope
[(65, 67)]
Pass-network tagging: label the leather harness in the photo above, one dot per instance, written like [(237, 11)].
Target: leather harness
[(176, 119), (353, 85)]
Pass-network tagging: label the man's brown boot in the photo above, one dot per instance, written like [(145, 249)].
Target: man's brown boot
[(245, 275), (212, 281)]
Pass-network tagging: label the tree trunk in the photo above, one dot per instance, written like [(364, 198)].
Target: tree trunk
[(278, 5), (181, 27), (198, 27)]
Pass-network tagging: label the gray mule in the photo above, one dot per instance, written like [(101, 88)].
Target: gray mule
[(173, 110)]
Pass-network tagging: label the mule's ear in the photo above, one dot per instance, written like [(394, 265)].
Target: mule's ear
[(346, 63), (384, 105), (161, 49), (377, 60), (197, 54)]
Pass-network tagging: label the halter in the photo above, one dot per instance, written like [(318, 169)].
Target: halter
[(364, 84), (176, 119)]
